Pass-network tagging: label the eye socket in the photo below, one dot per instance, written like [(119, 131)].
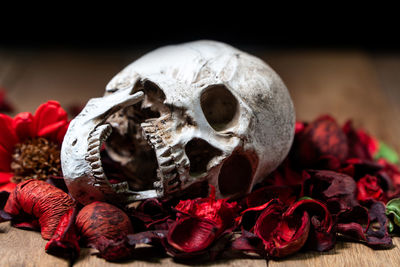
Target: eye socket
[(220, 107)]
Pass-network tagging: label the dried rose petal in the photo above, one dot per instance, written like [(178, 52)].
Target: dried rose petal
[(105, 227), (203, 220), (320, 138), (337, 190), (283, 234), (220, 211), (369, 189), (41, 201), (321, 235), (191, 234), (378, 236), (64, 242), (150, 212)]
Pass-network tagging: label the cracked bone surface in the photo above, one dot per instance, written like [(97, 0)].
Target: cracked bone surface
[(199, 112)]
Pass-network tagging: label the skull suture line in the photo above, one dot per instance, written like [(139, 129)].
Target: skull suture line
[(200, 111)]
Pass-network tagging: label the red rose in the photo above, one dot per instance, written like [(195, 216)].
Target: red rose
[(369, 189)]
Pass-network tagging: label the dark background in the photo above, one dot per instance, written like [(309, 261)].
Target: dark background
[(261, 25)]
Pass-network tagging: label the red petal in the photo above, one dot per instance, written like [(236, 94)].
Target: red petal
[(5, 159), (5, 177), (47, 114), (8, 187), (51, 131), (41, 201), (191, 234), (322, 236), (219, 211), (23, 123), (369, 189), (64, 242), (282, 235), (8, 137)]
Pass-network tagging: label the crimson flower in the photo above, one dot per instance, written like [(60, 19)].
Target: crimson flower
[(369, 189), (30, 144)]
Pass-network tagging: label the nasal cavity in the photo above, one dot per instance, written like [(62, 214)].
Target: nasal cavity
[(235, 176), (200, 153), (220, 107)]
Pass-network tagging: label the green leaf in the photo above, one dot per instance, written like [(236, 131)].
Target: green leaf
[(393, 209), (303, 198), (390, 226), (387, 153)]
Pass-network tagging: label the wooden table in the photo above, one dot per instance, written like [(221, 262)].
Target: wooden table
[(346, 84)]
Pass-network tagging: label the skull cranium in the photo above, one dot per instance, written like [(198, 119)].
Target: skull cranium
[(181, 115)]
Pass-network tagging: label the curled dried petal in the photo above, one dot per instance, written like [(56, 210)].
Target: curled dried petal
[(64, 242), (322, 234), (192, 234), (220, 211), (39, 200), (282, 234)]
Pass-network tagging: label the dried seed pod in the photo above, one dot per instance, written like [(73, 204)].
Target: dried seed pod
[(40, 200), (105, 227)]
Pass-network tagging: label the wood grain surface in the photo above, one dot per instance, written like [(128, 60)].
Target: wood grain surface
[(346, 84)]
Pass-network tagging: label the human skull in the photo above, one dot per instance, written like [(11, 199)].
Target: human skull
[(180, 115)]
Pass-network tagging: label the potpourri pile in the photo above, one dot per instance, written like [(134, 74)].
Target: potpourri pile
[(337, 183)]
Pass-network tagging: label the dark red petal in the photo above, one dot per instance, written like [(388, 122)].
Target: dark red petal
[(352, 223), (322, 235), (351, 230), (64, 242), (378, 236), (23, 123), (248, 242), (8, 137), (150, 212), (329, 185), (47, 114), (282, 235), (249, 216), (320, 138), (191, 234)]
